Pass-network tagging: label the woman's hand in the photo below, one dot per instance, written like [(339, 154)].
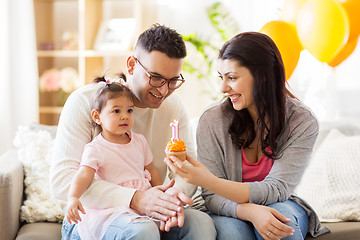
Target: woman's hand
[(267, 221), (195, 172), (72, 210)]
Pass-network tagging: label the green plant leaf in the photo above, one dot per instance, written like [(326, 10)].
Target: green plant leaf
[(226, 27)]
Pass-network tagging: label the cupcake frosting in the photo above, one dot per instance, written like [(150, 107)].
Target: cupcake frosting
[(176, 146)]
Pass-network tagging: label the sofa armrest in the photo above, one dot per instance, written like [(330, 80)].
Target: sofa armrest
[(11, 194)]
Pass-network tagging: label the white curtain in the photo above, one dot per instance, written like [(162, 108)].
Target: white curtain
[(18, 63)]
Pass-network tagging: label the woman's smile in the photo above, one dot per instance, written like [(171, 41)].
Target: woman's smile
[(234, 97)]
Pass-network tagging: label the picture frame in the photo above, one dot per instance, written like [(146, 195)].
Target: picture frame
[(115, 34)]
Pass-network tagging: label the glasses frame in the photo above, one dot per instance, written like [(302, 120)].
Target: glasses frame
[(181, 79)]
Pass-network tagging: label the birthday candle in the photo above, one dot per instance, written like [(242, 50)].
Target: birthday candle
[(175, 130)]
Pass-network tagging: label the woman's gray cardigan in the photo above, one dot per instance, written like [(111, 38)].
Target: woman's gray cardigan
[(217, 152)]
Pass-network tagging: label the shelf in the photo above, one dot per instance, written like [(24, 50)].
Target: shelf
[(50, 110), (97, 53), (58, 53), (66, 31), (55, 0)]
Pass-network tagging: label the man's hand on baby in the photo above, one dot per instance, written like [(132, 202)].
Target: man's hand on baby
[(72, 210), (155, 203)]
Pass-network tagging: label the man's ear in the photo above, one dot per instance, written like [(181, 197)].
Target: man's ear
[(130, 64), (95, 115)]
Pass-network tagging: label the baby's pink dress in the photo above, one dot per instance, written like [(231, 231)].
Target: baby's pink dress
[(122, 164)]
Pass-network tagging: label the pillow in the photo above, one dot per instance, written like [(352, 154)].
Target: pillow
[(331, 183), (35, 151)]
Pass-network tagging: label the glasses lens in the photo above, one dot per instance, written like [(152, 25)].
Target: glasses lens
[(157, 81), (173, 84)]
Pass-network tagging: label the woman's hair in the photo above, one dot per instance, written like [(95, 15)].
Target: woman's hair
[(258, 53), (109, 91), (162, 39)]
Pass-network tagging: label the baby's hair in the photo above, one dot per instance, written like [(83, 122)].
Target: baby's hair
[(110, 91)]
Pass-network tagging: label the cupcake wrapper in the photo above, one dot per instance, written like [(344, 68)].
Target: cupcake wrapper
[(180, 155)]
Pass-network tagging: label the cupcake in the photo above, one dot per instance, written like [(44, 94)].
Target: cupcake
[(176, 147)]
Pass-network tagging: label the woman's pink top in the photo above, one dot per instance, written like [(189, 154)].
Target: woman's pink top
[(255, 172)]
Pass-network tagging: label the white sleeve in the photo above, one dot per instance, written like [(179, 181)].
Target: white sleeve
[(75, 130), (185, 133)]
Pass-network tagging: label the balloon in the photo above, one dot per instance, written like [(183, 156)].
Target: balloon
[(286, 39), (323, 28), (344, 53), (352, 8), (290, 10)]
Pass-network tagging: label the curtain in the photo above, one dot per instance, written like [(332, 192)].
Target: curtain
[(18, 63)]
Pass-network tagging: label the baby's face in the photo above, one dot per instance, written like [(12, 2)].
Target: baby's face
[(117, 117)]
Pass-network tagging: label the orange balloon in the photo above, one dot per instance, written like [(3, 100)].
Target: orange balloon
[(352, 9), (323, 28), (290, 10), (344, 53), (286, 39)]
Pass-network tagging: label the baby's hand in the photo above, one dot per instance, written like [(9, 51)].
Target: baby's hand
[(172, 222), (166, 225), (72, 210)]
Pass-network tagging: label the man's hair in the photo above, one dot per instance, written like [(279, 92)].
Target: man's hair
[(162, 39)]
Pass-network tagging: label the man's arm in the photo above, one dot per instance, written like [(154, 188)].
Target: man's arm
[(186, 134)]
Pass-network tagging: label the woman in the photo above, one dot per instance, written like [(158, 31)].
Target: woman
[(254, 147)]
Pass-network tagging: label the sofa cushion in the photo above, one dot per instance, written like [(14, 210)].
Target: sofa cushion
[(40, 231), (35, 148), (11, 192), (331, 183), (340, 230)]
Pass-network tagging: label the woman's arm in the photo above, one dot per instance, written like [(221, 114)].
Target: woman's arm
[(196, 173), (265, 220), (216, 152)]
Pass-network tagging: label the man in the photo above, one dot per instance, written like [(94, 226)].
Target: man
[(154, 70)]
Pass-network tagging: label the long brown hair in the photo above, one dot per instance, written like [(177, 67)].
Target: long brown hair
[(258, 53)]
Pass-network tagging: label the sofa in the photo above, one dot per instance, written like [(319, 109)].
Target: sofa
[(12, 197)]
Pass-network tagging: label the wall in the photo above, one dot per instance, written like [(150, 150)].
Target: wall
[(332, 94)]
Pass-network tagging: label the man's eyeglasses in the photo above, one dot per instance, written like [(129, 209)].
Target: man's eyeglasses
[(158, 81)]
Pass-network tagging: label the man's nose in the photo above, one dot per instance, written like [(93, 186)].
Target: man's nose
[(164, 89)]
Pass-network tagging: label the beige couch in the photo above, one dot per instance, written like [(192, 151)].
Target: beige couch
[(11, 198)]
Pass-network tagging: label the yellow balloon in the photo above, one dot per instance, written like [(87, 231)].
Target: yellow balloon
[(323, 28), (290, 10), (286, 39), (352, 9), (344, 53)]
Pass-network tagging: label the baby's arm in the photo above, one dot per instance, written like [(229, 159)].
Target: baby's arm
[(80, 183), (155, 176), (156, 180)]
